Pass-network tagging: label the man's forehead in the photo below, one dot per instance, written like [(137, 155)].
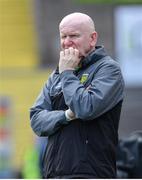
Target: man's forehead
[(73, 27), (71, 30), (68, 31)]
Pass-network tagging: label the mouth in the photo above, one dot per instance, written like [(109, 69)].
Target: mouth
[(70, 47)]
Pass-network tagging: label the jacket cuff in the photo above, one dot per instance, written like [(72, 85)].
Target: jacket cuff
[(65, 73)]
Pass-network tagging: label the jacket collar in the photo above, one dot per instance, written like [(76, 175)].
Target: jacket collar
[(94, 56)]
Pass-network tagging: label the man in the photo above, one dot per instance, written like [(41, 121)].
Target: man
[(79, 107)]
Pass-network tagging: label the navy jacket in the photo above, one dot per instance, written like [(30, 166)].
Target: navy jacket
[(84, 147)]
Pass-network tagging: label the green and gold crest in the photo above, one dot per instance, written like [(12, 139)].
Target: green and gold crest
[(84, 78)]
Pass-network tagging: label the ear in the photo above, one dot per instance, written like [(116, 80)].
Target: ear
[(94, 37)]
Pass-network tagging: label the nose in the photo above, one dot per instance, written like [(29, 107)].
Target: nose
[(67, 42)]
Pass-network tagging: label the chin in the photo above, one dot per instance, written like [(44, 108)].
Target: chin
[(81, 55)]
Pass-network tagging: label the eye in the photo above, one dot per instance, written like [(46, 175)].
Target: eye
[(63, 36), (73, 35)]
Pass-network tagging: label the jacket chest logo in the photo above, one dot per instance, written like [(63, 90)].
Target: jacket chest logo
[(84, 78)]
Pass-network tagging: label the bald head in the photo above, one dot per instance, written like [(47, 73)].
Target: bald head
[(78, 19), (77, 30)]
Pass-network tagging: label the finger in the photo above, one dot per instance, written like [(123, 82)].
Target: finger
[(72, 52), (76, 52), (61, 53), (66, 51)]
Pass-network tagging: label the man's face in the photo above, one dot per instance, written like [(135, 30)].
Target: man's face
[(76, 36)]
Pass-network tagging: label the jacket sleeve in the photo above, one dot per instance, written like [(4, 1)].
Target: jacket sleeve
[(45, 121), (104, 92)]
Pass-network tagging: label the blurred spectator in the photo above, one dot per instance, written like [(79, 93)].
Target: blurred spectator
[(32, 165), (129, 156)]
